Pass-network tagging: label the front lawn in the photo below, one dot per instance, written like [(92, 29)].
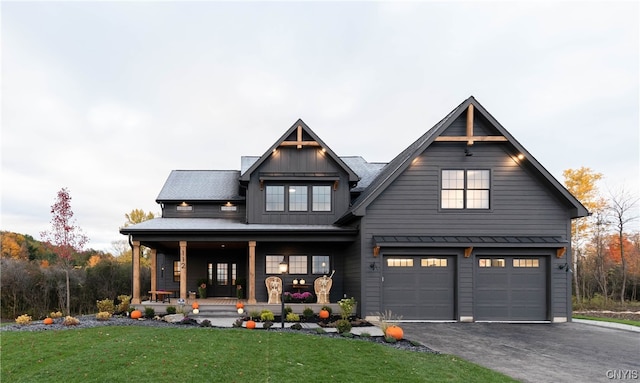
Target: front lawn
[(132, 353)]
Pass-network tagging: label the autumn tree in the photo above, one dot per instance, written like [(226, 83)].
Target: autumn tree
[(582, 183), (622, 213), (64, 237), (137, 216), (14, 246)]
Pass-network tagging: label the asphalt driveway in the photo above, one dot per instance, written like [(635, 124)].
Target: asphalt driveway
[(563, 352)]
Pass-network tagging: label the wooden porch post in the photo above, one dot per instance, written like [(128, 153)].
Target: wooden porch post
[(154, 273), (136, 273), (183, 270), (252, 273)]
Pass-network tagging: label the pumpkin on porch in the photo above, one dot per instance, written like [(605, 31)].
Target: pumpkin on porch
[(239, 305), (251, 324), (136, 314), (47, 321), (323, 314), (195, 305), (394, 332)]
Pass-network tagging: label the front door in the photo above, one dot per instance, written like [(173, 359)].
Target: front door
[(222, 276)]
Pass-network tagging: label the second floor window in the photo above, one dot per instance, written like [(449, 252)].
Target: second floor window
[(298, 198), (465, 189)]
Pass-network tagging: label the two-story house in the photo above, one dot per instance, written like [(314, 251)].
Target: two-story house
[(463, 225)]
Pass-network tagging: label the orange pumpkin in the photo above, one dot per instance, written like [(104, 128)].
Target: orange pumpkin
[(323, 314), (394, 332), (239, 305), (136, 314), (47, 321), (251, 324), (195, 305)]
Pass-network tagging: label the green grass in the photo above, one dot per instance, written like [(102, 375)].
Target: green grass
[(131, 353), (603, 319)]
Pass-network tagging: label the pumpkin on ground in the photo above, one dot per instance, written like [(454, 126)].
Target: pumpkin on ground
[(394, 332), (47, 321), (195, 305), (239, 305), (251, 324), (136, 314), (323, 314)]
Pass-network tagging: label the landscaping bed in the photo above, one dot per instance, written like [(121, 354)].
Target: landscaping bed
[(628, 315)]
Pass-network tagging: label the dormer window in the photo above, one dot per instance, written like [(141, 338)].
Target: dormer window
[(297, 198)]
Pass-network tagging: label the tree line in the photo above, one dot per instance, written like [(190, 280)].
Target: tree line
[(606, 244)]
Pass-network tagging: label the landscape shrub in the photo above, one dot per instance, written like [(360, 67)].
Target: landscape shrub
[(266, 315), (23, 319), (343, 325), (106, 305), (103, 315)]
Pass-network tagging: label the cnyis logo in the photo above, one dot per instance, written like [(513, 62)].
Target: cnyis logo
[(623, 374)]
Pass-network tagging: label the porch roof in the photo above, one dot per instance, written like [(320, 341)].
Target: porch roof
[(179, 225)]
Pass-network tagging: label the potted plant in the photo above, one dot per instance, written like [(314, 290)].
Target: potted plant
[(202, 289)]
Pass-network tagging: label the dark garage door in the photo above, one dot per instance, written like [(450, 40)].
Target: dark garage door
[(510, 288), (419, 287)]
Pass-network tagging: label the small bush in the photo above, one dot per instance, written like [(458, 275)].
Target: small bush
[(307, 312), (320, 330), (292, 317), (343, 325), (266, 315), (254, 314), (55, 315), (365, 335), (149, 312), (390, 339), (205, 323), (238, 323), (267, 324), (103, 315), (296, 326), (346, 307), (125, 302), (288, 309), (171, 309), (23, 319), (106, 305), (71, 321)]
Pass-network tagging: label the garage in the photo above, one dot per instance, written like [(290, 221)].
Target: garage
[(419, 287), (510, 288)]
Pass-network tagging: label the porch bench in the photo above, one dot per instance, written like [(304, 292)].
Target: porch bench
[(164, 295)]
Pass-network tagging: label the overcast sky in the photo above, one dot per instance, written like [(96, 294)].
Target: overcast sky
[(106, 98)]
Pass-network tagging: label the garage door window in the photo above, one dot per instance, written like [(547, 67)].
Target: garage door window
[(529, 262), (400, 262), (491, 262), (433, 262)]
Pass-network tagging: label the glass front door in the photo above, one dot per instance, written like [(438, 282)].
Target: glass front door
[(222, 277)]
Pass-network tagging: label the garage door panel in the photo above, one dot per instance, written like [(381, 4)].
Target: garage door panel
[(419, 292), (515, 290)]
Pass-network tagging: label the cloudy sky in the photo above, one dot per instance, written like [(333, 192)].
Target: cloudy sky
[(106, 98)]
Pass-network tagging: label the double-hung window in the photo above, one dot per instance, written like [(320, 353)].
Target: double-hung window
[(465, 189)]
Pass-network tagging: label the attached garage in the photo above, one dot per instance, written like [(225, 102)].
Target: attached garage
[(510, 288), (419, 287)]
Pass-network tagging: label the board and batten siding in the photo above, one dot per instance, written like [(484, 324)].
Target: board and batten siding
[(299, 167)]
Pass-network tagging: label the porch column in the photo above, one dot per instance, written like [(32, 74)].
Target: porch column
[(252, 273), (154, 273), (135, 258), (183, 270)]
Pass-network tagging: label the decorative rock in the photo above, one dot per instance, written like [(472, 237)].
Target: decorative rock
[(173, 318)]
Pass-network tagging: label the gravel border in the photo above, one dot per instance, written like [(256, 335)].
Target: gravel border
[(90, 321)]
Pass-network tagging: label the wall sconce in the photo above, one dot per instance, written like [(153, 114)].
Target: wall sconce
[(373, 266), (162, 272)]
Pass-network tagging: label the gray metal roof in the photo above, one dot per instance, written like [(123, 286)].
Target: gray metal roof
[(218, 224), (367, 171), (194, 185), (450, 240)]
